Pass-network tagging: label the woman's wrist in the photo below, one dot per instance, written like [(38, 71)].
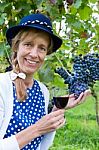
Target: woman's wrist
[(27, 135)]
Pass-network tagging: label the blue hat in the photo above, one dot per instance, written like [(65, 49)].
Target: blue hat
[(37, 21)]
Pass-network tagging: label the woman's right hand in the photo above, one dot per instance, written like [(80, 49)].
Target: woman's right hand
[(50, 122), (46, 124)]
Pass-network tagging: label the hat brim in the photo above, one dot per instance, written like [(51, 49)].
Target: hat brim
[(13, 31)]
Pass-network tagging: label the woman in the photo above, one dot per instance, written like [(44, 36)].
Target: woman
[(24, 122)]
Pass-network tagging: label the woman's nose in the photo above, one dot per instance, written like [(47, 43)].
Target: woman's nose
[(34, 51)]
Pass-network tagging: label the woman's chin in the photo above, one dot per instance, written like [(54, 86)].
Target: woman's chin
[(30, 71)]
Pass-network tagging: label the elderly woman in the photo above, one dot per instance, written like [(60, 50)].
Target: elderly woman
[(24, 121)]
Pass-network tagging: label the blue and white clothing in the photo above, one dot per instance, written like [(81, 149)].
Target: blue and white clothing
[(6, 111), (27, 113)]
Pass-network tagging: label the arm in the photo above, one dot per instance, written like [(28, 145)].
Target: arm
[(9, 143), (48, 123)]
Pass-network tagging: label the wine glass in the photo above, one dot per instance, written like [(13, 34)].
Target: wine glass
[(60, 97)]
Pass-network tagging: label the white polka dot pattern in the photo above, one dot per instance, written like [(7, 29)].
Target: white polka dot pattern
[(27, 113)]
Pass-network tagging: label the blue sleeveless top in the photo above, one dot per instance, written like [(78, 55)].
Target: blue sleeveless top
[(27, 113)]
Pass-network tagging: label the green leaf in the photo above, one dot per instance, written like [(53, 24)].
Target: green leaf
[(2, 18), (85, 13), (38, 2), (58, 81), (1, 48), (77, 25), (46, 74), (1, 21), (73, 10), (77, 4), (2, 7), (83, 44), (3, 15), (92, 1)]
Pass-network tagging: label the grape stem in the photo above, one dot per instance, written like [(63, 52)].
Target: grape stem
[(62, 65)]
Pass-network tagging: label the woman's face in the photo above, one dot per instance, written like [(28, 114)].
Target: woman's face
[(32, 51)]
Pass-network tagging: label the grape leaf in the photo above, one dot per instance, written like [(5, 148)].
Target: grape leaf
[(85, 13), (77, 4)]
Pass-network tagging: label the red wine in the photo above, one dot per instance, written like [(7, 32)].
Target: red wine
[(61, 102)]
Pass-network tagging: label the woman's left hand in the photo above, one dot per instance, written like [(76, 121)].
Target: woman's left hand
[(72, 102)]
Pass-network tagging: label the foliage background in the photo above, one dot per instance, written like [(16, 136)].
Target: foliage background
[(77, 23)]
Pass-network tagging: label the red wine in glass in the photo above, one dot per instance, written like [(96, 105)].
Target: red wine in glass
[(61, 101)]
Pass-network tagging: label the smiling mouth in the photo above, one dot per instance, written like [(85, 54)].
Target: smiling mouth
[(32, 62)]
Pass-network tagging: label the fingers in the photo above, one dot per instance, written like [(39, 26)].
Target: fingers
[(50, 122), (83, 96), (58, 121), (71, 96), (62, 124), (75, 102), (55, 108), (57, 112), (57, 116), (80, 97), (87, 92)]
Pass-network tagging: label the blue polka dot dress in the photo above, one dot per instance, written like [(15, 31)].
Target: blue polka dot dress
[(27, 113)]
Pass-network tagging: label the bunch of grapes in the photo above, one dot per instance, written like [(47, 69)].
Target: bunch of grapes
[(85, 73)]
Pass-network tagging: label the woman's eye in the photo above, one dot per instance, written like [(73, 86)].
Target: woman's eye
[(43, 49), (27, 44)]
